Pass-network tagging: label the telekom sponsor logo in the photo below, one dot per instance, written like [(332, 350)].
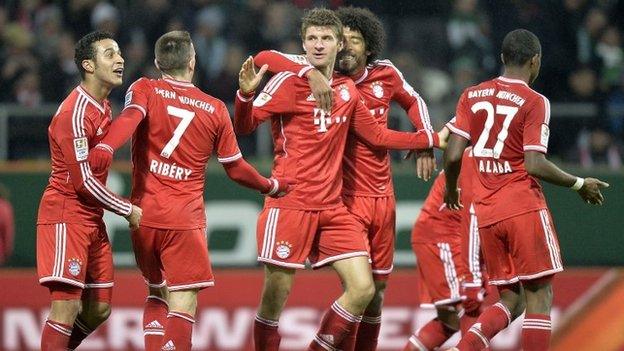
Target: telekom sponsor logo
[(222, 329)]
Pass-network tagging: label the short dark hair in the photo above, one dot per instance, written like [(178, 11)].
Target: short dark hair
[(173, 51), (519, 46), (86, 51), (367, 23), (321, 17)]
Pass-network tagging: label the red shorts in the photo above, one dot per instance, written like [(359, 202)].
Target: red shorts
[(472, 259), (438, 265), (523, 247), (175, 258), (378, 215), (287, 237), (74, 254)]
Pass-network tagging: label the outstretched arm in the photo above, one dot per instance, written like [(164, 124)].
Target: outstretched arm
[(246, 175)]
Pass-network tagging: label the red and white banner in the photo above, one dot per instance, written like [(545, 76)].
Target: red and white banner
[(226, 311)]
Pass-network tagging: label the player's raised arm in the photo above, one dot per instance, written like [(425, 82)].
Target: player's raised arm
[(364, 126), (74, 145), (298, 64), (276, 98)]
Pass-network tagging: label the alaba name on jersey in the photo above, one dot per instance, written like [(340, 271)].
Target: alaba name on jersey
[(74, 193), (435, 221), (181, 128), (503, 118), (366, 170)]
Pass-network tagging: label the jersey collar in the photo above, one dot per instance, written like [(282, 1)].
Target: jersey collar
[(179, 82), (362, 77), (90, 98), (510, 80)]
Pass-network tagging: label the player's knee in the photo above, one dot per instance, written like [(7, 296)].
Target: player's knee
[(361, 291), (378, 296), (539, 299), (100, 312)]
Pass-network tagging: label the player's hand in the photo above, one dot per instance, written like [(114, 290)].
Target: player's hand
[(590, 191), (443, 135), (472, 296), (279, 187), (100, 158), (134, 218), (451, 199), (248, 78), (321, 90), (425, 164)]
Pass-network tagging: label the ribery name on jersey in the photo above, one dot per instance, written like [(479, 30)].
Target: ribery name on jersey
[(168, 94), (492, 166), (172, 171)]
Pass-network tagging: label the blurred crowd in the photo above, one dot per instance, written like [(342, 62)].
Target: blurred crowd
[(441, 47)]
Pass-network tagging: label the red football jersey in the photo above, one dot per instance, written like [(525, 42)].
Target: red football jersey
[(436, 222), (366, 170), (503, 118), (171, 147), (308, 144), (74, 194)]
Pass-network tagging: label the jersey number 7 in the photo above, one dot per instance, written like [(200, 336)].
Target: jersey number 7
[(187, 117), (509, 112)]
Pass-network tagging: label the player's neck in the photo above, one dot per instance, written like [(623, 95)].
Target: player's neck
[(517, 73), (358, 73), (187, 78), (97, 89)]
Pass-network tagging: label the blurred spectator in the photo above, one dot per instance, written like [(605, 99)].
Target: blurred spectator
[(106, 17), (60, 74), (210, 46), (609, 50), (598, 147), (6, 226), (589, 33), (17, 58), (28, 90)]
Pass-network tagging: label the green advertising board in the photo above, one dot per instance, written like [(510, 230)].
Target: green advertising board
[(589, 235)]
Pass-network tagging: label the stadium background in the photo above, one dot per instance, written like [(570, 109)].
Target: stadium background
[(440, 46)]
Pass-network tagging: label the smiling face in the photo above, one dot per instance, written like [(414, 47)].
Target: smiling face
[(321, 45), (108, 65), (352, 59)]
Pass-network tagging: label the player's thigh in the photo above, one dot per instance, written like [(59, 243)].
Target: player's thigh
[(184, 256), (534, 245), (146, 246), (496, 255), (63, 253), (437, 268), (340, 236), (285, 236), (381, 236)]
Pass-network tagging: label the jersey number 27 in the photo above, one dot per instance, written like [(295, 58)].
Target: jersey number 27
[(509, 112)]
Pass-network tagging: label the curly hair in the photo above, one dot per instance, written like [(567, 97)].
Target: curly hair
[(85, 50), (321, 17), (367, 23)]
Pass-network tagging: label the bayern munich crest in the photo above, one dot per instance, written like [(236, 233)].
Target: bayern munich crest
[(283, 249), (74, 266), (344, 92), (377, 89)]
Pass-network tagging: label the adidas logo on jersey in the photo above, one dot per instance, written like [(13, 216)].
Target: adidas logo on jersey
[(168, 346), (154, 324), (327, 337), (99, 131), (311, 98)]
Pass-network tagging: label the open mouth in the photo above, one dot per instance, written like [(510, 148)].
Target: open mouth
[(118, 71)]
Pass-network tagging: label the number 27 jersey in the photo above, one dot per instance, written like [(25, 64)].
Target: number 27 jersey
[(503, 118), (181, 128)]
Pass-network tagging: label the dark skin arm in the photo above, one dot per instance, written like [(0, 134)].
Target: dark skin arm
[(452, 166), (538, 166)]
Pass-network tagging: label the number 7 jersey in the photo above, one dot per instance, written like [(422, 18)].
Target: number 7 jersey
[(181, 128), (503, 118)]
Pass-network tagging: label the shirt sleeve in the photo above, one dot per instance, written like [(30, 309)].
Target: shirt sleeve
[(280, 62), (461, 126), (366, 128), (410, 101), (72, 133), (137, 96), (226, 145), (536, 130), (277, 97)]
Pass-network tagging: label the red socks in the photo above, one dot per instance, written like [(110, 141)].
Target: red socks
[(154, 320), (337, 323), (266, 336), (55, 336), (430, 336), (368, 334), (494, 319), (178, 332), (536, 332)]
